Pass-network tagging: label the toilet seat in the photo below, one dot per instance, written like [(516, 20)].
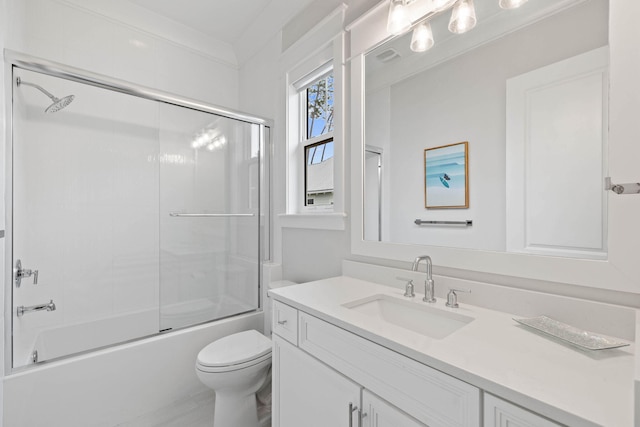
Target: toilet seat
[(233, 352)]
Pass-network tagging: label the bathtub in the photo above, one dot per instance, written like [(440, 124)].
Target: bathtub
[(107, 387), (53, 343)]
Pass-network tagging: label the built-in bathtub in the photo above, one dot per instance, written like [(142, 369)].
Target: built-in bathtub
[(107, 387), (54, 343)]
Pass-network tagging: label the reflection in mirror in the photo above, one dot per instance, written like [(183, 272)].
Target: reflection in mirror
[(527, 88)]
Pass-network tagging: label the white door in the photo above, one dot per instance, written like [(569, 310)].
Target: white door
[(308, 393), (557, 129), (379, 413)]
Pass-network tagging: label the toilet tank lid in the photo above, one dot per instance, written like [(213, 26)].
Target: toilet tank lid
[(235, 349)]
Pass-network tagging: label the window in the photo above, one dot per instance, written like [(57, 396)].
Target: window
[(318, 173), (319, 100), (314, 117), (317, 114)]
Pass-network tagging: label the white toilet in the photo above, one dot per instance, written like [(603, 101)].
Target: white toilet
[(235, 367)]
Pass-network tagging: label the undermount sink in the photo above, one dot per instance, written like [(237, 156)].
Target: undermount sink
[(416, 316)]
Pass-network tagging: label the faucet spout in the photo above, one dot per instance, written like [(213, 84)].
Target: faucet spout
[(22, 310), (429, 285)]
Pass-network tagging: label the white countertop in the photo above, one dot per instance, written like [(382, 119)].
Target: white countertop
[(493, 352)]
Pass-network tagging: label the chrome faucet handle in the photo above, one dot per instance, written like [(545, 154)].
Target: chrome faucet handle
[(452, 297), (22, 273), (409, 287)]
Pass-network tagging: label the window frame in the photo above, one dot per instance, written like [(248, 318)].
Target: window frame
[(303, 142), (301, 64)]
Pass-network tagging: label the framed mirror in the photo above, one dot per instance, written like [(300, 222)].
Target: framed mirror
[(529, 90)]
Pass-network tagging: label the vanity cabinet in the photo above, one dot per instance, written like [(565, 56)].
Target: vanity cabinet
[(319, 380), (378, 413), (500, 413), (308, 393)]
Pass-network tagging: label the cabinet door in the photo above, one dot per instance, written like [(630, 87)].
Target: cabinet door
[(308, 393), (500, 413), (379, 413)]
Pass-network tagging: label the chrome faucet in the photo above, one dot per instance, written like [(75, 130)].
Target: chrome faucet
[(428, 283), (21, 310)]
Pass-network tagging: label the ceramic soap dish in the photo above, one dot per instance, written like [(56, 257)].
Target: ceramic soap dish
[(575, 336)]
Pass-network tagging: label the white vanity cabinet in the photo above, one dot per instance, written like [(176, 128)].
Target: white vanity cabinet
[(317, 382), (308, 393), (378, 413), (500, 413)]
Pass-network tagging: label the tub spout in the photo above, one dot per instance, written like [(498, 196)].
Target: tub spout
[(21, 310)]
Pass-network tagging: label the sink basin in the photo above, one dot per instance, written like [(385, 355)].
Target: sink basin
[(415, 316)]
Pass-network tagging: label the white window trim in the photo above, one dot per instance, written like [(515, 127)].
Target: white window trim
[(297, 215)]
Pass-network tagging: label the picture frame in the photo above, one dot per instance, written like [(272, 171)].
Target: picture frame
[(446, 176)]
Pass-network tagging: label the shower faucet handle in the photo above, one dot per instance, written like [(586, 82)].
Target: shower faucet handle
[(22, 273)]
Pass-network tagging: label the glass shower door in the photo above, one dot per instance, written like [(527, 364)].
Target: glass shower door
[(129, 216), (85, 216), (209, 217)]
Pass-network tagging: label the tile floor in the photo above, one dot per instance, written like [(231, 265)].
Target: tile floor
[(191, 411)]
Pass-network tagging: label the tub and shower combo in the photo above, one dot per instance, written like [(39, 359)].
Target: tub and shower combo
[(131, 214)]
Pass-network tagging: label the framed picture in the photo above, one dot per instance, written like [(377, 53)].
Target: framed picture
[(446, 183)]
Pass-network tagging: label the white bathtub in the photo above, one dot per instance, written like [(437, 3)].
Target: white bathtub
[(76, 338), (107, 387)]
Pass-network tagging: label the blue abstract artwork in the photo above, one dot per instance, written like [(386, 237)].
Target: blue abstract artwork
[(446, 176)]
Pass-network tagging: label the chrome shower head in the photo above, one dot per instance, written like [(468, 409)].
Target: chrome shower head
[(58, 103)]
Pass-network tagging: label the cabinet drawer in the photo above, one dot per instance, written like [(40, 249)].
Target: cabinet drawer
[(285, 322), (432, 397), (499, 413)]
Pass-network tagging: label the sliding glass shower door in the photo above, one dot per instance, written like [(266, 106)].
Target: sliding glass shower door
[(129, 217), (209, 217)]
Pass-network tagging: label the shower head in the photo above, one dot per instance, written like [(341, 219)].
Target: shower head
[(58, 103)]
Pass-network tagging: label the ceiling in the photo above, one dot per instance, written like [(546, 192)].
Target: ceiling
[(227, 20)]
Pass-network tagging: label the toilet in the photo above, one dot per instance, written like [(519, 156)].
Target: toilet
[(235, 367)]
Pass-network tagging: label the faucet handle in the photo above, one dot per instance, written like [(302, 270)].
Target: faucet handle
[(409, 287), (452, 297)]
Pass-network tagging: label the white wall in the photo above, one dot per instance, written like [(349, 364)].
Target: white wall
[(151, 53)]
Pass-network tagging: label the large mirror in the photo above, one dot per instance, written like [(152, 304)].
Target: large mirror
[(526, 91), (522, 204)]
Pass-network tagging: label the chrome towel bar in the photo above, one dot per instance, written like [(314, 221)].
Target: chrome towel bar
[(466, 223), (208, 215)]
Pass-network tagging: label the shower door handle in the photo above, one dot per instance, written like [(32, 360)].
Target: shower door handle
[(22, 273)]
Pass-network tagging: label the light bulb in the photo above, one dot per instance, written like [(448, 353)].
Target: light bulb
[(511, 4), (398, 21), (463, 17), (422, 37)]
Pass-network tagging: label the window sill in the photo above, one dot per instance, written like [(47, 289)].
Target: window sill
[(317, 221)]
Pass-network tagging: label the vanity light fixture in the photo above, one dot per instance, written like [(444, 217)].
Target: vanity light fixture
[(398, 21), (422, 37), (463, 17), (511, 4)]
